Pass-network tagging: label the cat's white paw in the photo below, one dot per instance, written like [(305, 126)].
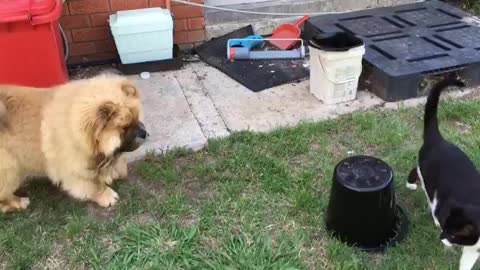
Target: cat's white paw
[(411, 186), (436, 222), (446, 243)]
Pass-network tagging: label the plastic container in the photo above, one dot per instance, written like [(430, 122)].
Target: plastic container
[(31, 48), (335, 66), (143, 35), (362, 211)]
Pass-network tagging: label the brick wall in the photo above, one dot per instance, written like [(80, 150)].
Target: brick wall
[(85, 24)]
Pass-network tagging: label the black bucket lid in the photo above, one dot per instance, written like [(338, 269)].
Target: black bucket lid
[(335, 42), (363, 173)]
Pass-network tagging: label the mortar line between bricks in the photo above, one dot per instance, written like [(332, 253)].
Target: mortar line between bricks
[(190, 107), (211, 99)]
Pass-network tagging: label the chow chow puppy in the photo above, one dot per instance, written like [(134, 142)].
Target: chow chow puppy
[(76, 134)]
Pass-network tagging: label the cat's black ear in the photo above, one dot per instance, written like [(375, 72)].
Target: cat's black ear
[(460, 230)]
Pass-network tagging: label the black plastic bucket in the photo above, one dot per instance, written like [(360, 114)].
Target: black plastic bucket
[(362, 211), (335, 42)]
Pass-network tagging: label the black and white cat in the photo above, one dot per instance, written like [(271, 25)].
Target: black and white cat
[(451, 183)]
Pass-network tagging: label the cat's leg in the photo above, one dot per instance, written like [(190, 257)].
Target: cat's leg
[(433, 207), (469, 257), (412, 179)]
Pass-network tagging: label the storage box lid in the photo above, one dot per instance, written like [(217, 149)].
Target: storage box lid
[(141, 20), (35, 11)]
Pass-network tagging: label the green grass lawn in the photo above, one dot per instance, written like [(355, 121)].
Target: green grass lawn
[(472, 5), (251, 201)]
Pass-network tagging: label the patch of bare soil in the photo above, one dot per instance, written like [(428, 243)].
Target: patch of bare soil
[(197, 189), (150, 186), (100, 213), (317, 254), (92, 71), (144, 219), (188, 220), (56, 260), (464, 128)]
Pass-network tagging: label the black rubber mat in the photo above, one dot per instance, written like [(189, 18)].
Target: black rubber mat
[(256, 75), (407, 44)]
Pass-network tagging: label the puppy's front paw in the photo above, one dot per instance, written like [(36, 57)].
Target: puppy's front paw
[(16, 203), (411, 186), (107, 198)]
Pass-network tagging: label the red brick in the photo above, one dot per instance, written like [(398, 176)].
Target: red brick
[(180, 38), (68, 33), (83, 48), (74, 59), (181, 25), (196, 23), (65, 10), (158, 3), (75, 21), (88, 6), (90, 34), (99, 19), (182, 12), (128, 4), (105, 46), (196, 35)]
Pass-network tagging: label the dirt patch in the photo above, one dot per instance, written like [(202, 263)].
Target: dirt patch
[(317, 254), (188, 221), (3, 263), (100, 213), (197, 190), (151, 186), (57, 260), (475, 94), (92, 71), (182, 162), (144, 219), (464, 128)]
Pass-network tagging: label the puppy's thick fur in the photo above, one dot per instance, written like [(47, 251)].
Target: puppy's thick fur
[(74, 134)]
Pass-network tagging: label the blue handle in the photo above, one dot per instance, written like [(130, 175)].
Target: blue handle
[(248, 43)]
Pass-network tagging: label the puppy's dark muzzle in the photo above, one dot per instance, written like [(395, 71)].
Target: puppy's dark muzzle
[(134, 138), (141, 134)]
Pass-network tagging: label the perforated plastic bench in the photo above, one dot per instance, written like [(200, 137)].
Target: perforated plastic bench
[(408, 44)]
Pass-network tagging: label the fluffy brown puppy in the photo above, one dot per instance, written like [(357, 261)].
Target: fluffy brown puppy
[(75, 134)]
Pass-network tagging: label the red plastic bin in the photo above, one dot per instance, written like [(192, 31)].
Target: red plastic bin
[(31, 46)]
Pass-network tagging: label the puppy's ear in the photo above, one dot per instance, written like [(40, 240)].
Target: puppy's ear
[(106, 111), (459, 229), (93, 125), (129, 89)]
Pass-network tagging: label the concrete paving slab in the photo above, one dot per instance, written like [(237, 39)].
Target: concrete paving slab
[(284, 105), (168, 117), (200, 103)]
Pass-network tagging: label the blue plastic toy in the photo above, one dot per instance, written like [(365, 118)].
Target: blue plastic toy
[(250, 42)]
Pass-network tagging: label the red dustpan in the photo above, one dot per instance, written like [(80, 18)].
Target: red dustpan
[(287, 31)]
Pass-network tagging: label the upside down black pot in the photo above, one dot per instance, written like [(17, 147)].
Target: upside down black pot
[(362, 210)]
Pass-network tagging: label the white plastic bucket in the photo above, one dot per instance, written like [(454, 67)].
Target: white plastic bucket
[(335, 67)]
